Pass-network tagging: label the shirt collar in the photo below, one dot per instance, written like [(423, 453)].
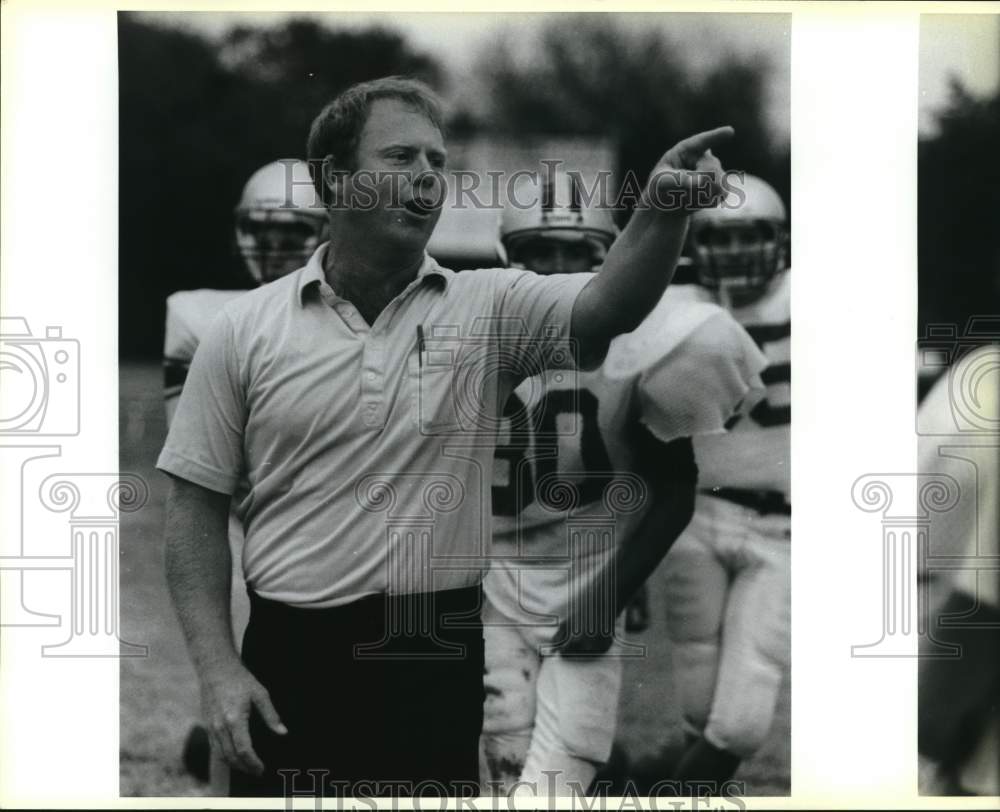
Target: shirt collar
[(312, 276)]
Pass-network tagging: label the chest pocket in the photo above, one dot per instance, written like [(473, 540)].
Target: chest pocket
[(434, 394)]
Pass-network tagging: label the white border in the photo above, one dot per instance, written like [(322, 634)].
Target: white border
[(854, 131)]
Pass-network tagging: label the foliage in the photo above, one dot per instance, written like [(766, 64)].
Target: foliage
[(195, 119), (959, 212), (590, 76)]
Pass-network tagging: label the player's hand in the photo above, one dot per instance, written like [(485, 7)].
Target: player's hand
[(228, 697), (572, 640), (688, 176)]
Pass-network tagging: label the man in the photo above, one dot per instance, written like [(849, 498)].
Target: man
[(727, 579), (603, 454), (357, 396), (959, 690), (278, 222)]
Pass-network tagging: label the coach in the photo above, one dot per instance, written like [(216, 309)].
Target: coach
[(326, 391)]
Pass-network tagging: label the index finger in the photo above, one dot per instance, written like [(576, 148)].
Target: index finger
[(696, 145)]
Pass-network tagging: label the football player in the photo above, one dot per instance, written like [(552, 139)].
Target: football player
[(959, 695), (594, 478), (279, 222), (727, 579)]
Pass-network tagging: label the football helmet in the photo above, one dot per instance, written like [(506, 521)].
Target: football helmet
[(280, 220), (548, 208), (741, 244)]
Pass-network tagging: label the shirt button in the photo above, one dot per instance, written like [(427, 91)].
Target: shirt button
[(372, 376)]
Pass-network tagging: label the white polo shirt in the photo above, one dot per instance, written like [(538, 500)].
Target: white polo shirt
[(367, 449)]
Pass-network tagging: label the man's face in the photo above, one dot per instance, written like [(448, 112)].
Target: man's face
[(397, 190), (546, 255)]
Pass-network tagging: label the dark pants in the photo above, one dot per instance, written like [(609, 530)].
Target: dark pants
[(956, 694), (399, 716)]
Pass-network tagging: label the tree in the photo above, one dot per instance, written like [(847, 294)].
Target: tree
[(302, 65), (181, 157), (196, 118), (589, 76), (959, 211)]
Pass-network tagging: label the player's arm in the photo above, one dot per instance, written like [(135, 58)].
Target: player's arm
[(175, 372), (179, 343), (672, 496), (198, 575), (642, 260)]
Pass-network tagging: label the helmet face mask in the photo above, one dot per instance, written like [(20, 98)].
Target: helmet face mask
[(549, 226), (741, 257), (275, 242), (280, 220), (739, 248)]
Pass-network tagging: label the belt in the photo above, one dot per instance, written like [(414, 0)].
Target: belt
[(764, 502), (432, 625), (447, 601)]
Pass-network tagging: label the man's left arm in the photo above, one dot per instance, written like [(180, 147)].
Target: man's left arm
[(642, 260)]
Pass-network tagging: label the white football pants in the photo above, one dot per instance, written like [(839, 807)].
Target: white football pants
[(727, 581), (549, 721)]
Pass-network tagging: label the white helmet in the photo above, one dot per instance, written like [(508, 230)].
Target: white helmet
[(553, 206), (280, 220), (742, 243)]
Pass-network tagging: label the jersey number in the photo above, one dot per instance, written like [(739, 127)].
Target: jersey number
[(520, 490)]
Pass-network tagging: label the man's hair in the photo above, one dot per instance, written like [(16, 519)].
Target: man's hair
[(337, 129)]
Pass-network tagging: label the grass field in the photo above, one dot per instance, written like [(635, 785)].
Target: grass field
[(159, 693)]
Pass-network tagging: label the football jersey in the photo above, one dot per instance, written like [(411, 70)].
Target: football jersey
[(755, 452), (570, 469), (189, 312)]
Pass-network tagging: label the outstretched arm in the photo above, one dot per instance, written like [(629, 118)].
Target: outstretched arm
[(641, 263)]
